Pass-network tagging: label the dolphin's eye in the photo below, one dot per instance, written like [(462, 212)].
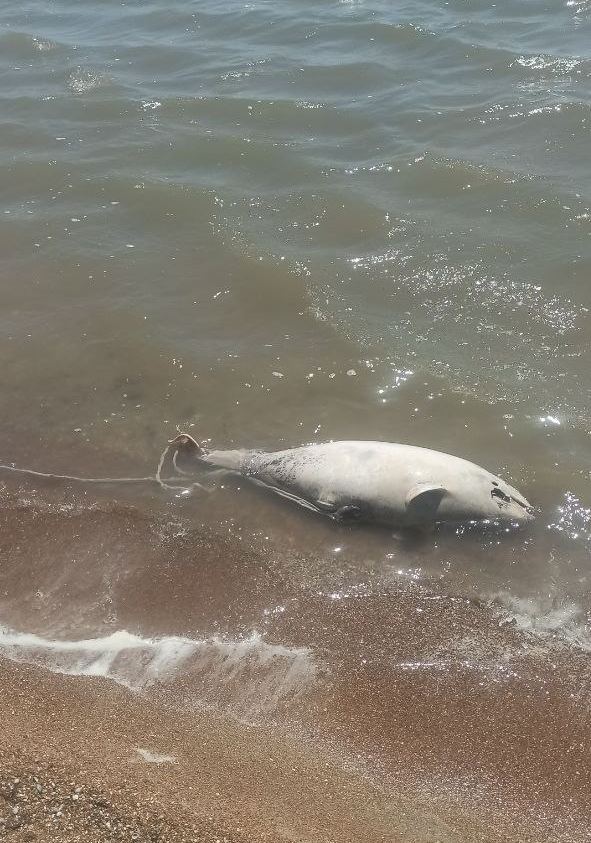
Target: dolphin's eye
[(498, 493)]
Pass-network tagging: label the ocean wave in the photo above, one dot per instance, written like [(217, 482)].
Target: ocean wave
[(571, 112), (23, 46), (249, 675), (551, 621), (80, 80), (556, 65), (580, 8)]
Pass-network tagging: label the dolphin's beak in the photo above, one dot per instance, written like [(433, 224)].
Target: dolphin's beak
[(525, 513)]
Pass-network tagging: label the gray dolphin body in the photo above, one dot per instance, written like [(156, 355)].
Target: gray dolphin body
[(380, 482)]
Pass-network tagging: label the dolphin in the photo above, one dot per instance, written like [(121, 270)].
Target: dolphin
[(394, 485)]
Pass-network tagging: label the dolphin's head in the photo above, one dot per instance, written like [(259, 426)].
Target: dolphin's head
[(479, 497), (511, 505)]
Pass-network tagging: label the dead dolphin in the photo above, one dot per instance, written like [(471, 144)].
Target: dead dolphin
[(380, 482)]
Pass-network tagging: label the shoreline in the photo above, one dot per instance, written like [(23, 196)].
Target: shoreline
[(433, 719)]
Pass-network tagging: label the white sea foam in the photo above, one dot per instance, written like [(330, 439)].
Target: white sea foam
[(539, 625), (43, 45), (81, 81), (249, 675), (548, 619), (554, 64), (128, 659)]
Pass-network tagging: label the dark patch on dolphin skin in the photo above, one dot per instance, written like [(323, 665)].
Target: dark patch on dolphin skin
[(498, 493), (283, 468)]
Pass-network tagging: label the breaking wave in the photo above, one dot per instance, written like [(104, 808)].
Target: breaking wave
[(249, 676), (548, 619)]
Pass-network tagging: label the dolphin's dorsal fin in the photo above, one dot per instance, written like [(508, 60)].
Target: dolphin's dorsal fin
[(427, 493)]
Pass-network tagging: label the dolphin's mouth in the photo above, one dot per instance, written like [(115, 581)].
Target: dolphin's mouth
[(527, 507)]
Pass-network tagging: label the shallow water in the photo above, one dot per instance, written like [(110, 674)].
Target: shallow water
[(280, 223)]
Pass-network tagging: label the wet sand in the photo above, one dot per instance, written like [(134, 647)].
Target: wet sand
[(313, 702), (71, 770)]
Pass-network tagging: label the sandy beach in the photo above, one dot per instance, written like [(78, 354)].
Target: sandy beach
[(85, 760)]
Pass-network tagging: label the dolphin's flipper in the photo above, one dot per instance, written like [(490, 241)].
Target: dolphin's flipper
[(424, 499)]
